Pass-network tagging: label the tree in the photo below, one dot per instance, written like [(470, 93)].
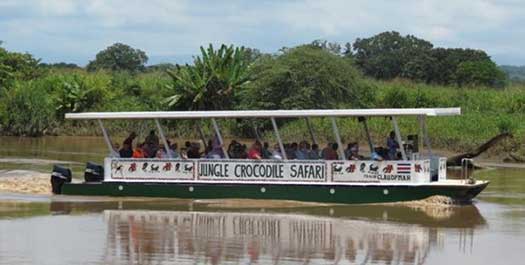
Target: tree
[(211, 82), (421, 67), (333, 47), (60, 65), (389, 55), (304, 77), (385, 55), (119, 57), (17, 66), (74, 95), (484, 73), (162, 67)]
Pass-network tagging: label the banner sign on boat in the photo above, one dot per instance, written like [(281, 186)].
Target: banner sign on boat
[(306, 171), (380, 171), (152, 169), (257, 170)]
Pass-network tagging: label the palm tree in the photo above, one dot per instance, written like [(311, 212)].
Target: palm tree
[(212, 81)]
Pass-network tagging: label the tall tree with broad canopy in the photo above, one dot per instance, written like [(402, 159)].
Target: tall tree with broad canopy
[(385, 55), (304, 77), (119, 57)]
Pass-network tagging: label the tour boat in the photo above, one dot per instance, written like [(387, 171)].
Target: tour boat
[(414, 176)]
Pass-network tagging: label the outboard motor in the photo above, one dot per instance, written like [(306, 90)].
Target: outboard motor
[(59, 176), (94, 172)]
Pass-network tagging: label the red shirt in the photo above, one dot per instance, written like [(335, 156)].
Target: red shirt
[(254, 154)]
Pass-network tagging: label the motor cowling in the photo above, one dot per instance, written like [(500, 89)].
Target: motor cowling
[(59, 176), (93, 172)]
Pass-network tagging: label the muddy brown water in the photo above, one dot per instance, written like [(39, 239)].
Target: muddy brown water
[(44, 229)]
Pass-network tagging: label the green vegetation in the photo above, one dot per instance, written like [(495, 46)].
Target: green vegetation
[(387, 70), (389, 55), (119, 57), (211, 82)]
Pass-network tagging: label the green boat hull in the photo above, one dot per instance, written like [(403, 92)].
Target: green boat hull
[(347, 194)]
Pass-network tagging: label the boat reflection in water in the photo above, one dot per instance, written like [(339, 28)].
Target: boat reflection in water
[(142, 237)]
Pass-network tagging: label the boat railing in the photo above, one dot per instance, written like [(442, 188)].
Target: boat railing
[(466, 164)]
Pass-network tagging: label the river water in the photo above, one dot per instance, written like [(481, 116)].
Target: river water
[(45, 229)]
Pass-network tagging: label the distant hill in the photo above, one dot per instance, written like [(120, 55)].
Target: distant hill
[(514, 72)]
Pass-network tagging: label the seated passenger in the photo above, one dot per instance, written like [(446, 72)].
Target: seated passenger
[(207, 150), (314, 153), (330, 152), (185, 149), (231, 147), (347, 151), (266, 154), (354, 152), (376, 154), (151, 144), (290, 152), (173, 150), (235, 150), (116, 147), (392, 146), (126, 151), (216, 148), (301, 153), (139, 152), (129, 139), (161, 153), (149, 151), (243, 154), (152, 139), (255, 151), (194, 151), (276, 153)]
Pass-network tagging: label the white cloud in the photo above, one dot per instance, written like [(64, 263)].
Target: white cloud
[(175, 27), (57, 7)]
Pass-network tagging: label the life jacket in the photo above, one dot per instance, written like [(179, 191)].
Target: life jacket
[(138, 153)]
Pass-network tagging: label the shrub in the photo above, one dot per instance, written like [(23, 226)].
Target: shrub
[(27, 110)]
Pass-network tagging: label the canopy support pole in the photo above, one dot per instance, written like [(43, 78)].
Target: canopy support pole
[(398, 137), (426, 139), (112, 152), (367, 132), (163, 138), (338, 139), (311, 130), (219, 136), (281, 146), (201, 134), (257, 135)]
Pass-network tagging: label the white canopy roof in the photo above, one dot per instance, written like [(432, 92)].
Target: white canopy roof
[(263, 113)]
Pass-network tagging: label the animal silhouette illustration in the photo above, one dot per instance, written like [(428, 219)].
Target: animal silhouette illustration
[(338, 168), (362, 167), (417, 168), (154, 168), (188, 167), (167, 167), (388, 169), (145, 166), (177, 167), (132, 167), (118, 168), (350, 168), (373, 168)]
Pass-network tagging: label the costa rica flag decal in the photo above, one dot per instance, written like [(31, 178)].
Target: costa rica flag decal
[(403, 168)]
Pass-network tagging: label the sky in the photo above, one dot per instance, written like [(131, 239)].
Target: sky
[(172, 30)]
